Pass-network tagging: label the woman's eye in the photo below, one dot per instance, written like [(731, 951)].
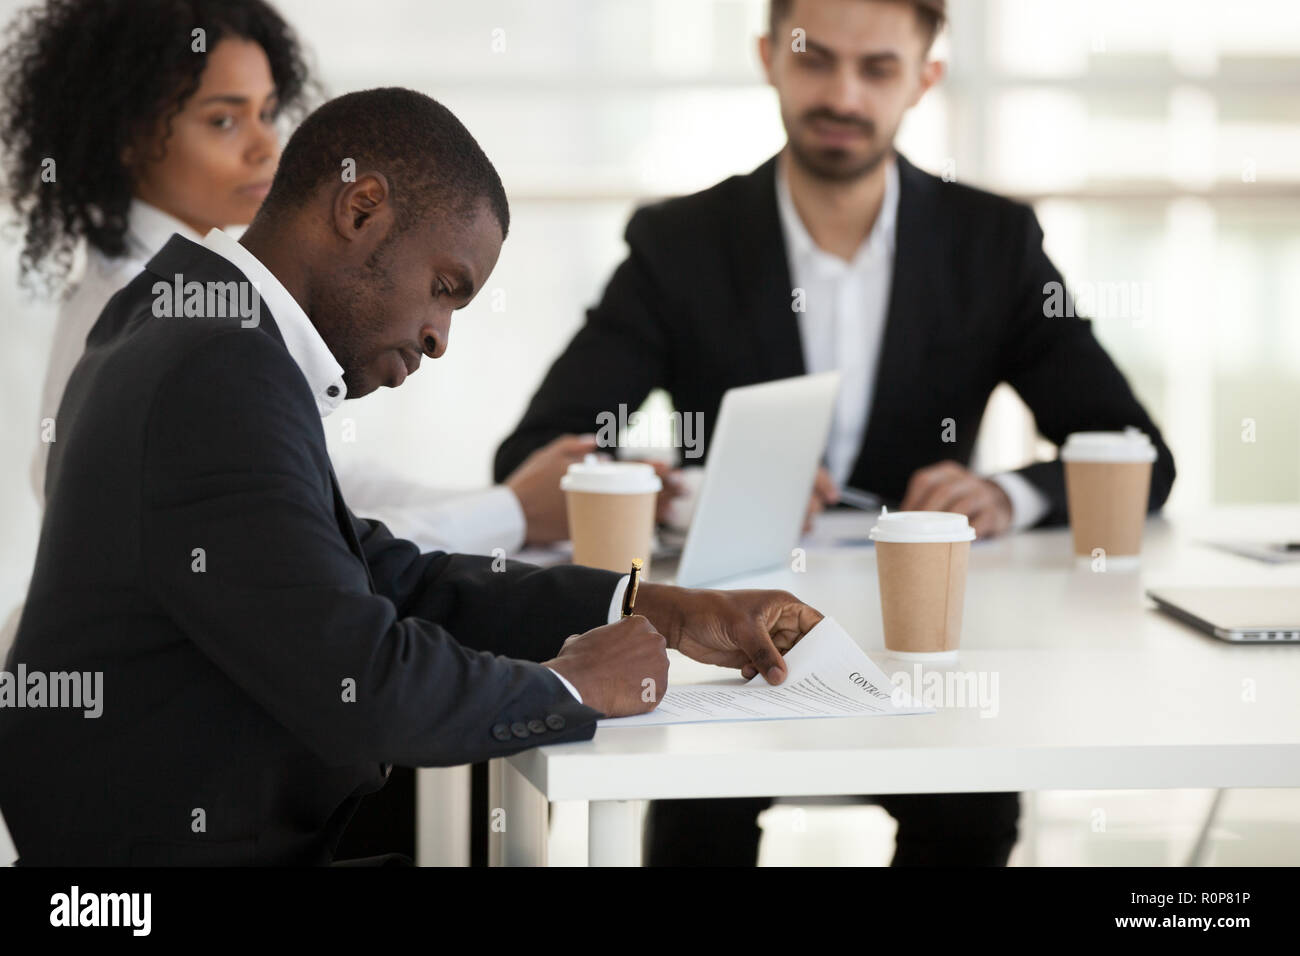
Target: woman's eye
[(223, 122)]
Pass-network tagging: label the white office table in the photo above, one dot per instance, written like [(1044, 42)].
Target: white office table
[(1096, 690)]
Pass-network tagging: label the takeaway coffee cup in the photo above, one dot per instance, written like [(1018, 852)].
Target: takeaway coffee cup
[(921, 559), (1107, 483), (611, 507)]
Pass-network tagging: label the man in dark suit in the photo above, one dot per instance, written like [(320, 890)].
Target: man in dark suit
[(839, 253), (264, 655)]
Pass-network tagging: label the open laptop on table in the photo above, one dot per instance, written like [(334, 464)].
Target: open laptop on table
[(763, 457)]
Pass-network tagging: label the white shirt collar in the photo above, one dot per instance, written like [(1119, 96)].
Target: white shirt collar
[(801, 245), (305, 345), (150, 227)]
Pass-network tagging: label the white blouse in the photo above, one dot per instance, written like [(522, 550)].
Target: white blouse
[(148, 229)]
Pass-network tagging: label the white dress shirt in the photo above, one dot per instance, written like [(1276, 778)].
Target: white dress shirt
[(322, 371), (471, 522), (843, 324), (148, 230)]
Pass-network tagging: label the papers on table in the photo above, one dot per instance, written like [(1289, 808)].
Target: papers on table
[(827, 676), (841, 529)]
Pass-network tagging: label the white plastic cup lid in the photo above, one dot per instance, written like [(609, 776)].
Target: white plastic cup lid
[(921, 526), (611, 477), (1128, 445)]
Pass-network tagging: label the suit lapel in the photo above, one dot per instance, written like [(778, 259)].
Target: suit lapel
[(761, 272)]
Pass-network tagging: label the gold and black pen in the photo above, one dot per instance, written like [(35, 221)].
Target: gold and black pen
[(629, 596)]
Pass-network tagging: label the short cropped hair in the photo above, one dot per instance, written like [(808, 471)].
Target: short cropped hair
[(931, 15), (432, 163)]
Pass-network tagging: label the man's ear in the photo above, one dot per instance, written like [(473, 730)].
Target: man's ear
[(765, 55), (931, 73), (362, 205)]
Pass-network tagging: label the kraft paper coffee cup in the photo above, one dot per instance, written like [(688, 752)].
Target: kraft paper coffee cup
[(1107, 486), (611, 507), (921, 559)]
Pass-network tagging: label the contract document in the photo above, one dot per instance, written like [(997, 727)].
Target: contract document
[(827, 676)]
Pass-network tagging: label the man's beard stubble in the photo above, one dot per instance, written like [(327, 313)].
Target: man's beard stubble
[(813, 163), (352, 323)]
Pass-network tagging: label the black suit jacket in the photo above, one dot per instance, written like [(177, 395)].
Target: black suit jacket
[(248, 706), (703, 303)]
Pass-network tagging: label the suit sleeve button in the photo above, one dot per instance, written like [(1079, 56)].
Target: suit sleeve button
[(501, 732), (537, 727), (555, 722), (519, 730)]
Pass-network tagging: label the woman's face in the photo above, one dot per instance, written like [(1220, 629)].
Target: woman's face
[(215, 167)]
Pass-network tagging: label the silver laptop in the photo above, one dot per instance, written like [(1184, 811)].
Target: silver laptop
[(1235, 614), (763, 458)]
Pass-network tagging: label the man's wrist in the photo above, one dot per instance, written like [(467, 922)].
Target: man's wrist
[(1028, 503), (660, 604), (568, 684)]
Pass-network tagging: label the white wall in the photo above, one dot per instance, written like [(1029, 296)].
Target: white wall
[(592, 105)]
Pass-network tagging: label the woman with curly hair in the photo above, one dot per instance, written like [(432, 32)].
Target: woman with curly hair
[(126, 121)]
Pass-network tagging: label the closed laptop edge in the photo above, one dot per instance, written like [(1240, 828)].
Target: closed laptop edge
[(1239, 614)]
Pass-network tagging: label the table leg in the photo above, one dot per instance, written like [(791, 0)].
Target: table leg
[(614, 833), (442, 816), (517, 819), (1029, 828), (1200, 849)]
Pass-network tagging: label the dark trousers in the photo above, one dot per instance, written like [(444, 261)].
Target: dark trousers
[(386, 859), (934, 829), (384, 822)]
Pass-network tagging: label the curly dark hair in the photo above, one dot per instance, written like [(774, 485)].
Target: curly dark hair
[(83, 78)]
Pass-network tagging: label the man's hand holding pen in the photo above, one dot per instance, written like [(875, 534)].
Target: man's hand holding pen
[(749, 630)]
